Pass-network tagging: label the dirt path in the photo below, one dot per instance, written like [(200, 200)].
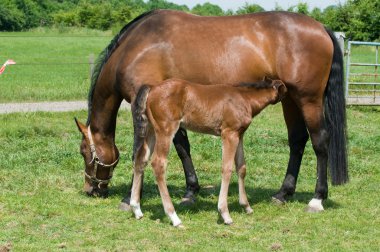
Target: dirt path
[(6, 108)]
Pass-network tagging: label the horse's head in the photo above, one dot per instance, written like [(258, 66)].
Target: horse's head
[(100, 158)]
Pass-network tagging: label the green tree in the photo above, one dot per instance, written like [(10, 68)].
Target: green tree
[(249, 8), (11, 19), (207, 9), (301, 7), (163, 4), (317, 14)]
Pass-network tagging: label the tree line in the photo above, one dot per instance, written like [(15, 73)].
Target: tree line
[(359, 19)]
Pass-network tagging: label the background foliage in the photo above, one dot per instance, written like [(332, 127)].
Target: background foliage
[(360, 19)]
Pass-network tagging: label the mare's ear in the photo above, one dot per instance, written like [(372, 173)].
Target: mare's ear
[(81, 127)]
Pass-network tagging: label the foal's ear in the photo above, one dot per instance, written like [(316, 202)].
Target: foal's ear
[(281, 89), (81, 127), (267, 79)]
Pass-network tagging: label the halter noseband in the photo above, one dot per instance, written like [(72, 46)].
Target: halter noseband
[(95, 159)]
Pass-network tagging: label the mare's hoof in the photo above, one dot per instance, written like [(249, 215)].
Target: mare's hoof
[(278, 201), (314, 206), (187, 201), (125, 207), (228, 222), (309, 209)]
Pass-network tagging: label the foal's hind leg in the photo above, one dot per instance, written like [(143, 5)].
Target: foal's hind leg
[(241, 171), (159, 162), (298, 136), (141, 159), (182, 146)]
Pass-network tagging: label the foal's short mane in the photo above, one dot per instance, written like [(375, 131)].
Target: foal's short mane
[(106, 54), (258, 85)]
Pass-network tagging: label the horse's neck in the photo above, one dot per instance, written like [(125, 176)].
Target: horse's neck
[(258, 98), (103, 116)]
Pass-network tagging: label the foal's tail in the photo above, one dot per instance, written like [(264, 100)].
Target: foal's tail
[(140, 119), (335, 115)]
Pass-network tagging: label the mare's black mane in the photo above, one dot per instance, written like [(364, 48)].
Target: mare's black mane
[(106, 54)]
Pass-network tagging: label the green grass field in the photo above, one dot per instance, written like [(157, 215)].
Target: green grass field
[(42, 207), (52, 64)]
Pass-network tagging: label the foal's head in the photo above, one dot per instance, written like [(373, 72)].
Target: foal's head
[(275, 89), (100, 159), (279, 86)]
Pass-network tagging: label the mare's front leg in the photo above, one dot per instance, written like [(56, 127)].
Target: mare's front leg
[(241, 171), (182, 146), (159, 163), (230, 141), (297, 138)]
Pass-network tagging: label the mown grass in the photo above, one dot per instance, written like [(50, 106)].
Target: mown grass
[(52, 64), (42, 207)]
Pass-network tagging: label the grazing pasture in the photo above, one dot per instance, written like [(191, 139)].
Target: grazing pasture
[(42, 207), (52, 65)]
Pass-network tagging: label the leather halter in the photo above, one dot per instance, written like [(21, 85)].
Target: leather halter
[(95, 159)]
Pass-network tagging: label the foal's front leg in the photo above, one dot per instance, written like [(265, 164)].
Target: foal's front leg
[(241, 171), (230, 143)]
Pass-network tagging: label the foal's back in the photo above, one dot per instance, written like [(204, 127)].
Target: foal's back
[(201, 108)]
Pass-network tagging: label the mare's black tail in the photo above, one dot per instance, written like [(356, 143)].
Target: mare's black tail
[(335, 115), (140, 119)]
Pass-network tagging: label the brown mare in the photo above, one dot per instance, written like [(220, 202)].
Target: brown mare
[(164, 44), (221, 110)]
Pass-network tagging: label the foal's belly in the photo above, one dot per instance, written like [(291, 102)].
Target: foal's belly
[(201, 128)]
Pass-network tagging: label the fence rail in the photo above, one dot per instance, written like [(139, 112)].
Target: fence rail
[(362, 84)]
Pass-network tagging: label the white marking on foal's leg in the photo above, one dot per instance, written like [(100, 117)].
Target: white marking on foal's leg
[(248, 210), (136, 209), (225, 216), (175, 220), (314, 206)]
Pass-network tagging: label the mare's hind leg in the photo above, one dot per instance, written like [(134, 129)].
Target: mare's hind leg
[(141, 158), (298, 136), (315, 122), (182, 146), (241, 171)]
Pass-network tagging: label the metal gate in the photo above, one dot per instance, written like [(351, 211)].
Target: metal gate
[(362, 73)]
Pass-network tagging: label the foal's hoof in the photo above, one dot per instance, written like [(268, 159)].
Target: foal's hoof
[(180, 226), (249, 210), (139, 215), (314, 206), (228, 222)]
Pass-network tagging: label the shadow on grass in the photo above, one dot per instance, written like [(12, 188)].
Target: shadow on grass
[(206, 199)]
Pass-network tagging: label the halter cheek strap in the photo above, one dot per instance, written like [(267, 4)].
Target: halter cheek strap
[(95, 159)]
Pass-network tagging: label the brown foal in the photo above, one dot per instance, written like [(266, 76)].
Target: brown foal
[(159, 111)]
